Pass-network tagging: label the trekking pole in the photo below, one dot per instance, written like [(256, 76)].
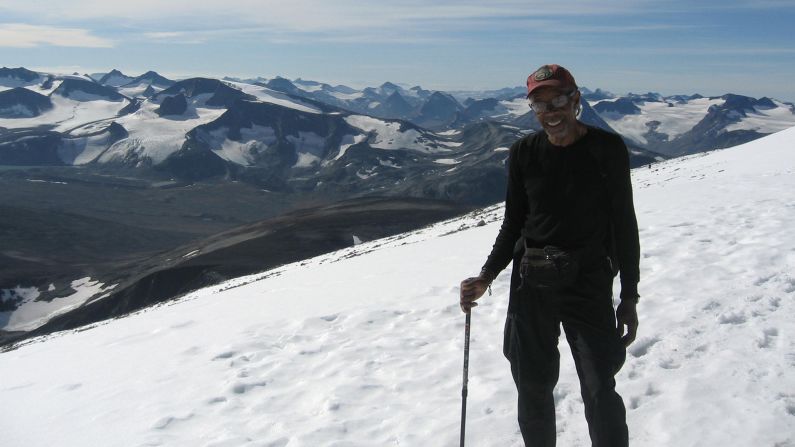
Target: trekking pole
[(464, 390)]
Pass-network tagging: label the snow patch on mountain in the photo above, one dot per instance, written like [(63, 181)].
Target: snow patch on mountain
[(347, 142), (388, 135), (346, 96), (517, 106), (388, 163), (155, 137), (308, 86), (265, 94), (674, 118), (30, 313), (365, 173), (138, 90), (766, 119), (47, 88), (243, 151), (82, 150), (309, 148), (68, 113)]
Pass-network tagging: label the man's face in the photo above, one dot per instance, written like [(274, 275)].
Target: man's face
[(559, 123)]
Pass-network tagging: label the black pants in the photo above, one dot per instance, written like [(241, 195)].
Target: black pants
[(531, 345)]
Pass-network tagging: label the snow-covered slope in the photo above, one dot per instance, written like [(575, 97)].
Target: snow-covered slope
[(362, 347), (673, 118), (678, 125), (155, 138), (391, 135), (69, 112), (265, 94)]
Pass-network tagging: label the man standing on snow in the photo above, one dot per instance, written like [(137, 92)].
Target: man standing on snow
[(569, 225)]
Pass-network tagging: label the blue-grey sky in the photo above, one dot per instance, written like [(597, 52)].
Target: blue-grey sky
[(668, 46)]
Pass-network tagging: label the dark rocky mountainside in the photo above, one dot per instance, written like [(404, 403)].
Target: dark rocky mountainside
[(220, 93), (18, 74), (624, 106), (83, 90), (115, 78), (151, 78), (22, 103), (248, 249), (173, 105)]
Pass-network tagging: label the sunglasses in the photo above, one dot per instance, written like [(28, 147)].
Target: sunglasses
[(557, 102)]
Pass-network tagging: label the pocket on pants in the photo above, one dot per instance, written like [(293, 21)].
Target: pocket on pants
[(508, 337)]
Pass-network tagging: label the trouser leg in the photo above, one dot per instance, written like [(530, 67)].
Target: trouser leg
[(589, 323), (604, 408), (531, 337)]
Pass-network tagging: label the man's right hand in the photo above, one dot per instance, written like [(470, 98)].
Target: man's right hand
[(472, 289)]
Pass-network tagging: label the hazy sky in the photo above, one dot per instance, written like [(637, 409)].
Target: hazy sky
[(709, 47)]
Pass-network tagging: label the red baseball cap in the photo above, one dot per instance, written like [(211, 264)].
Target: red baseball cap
[(551, 75)]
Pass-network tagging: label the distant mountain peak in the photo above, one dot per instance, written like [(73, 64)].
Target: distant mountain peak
[(20, 73), (85, 90), (389, 86), (152, 78), (20, 102), (222, 94), (115, 78)]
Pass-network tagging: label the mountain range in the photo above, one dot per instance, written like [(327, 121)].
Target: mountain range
[(149, 166)]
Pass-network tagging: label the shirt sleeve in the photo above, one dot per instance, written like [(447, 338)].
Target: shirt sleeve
[(513, 221), (625, 224)]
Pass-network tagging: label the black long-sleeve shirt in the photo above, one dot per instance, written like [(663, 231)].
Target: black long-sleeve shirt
[(572, 197)]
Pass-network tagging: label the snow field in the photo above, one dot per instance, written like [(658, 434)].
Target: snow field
[(517, 106), (387, 135), (242, 152), (718, 290), (674, 120), (766, 120), (265, 94), (158, 137), (68, 113)]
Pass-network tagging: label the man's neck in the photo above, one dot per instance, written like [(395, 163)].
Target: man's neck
[(579, 131)]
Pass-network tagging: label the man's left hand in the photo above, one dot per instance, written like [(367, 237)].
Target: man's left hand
[(627, 315)]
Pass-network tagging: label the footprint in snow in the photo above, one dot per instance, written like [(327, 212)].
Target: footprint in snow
[(768, 338), (669, 363), (182, 324), (163, 423), (650, 393), (789, 285), (243, 388), (216, 400), (642, 346), (732, 318), (711, 305), (224, 355)]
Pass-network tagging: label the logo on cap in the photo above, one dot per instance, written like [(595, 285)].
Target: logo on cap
[(543, 73)]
